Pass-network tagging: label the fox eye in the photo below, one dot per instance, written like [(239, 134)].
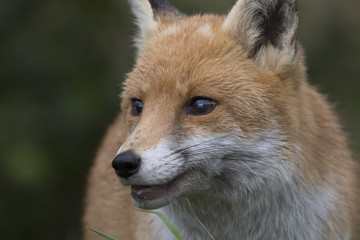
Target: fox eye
[(201, 106), (137, 106)]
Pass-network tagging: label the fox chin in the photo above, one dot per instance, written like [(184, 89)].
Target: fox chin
[(218, 123)]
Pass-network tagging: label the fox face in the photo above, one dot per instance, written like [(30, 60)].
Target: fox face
[(206, 107)]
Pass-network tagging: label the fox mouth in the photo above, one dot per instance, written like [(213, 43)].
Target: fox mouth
[(149, 193), (156, 196)]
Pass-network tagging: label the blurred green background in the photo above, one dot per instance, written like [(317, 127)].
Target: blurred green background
[(61, 66)]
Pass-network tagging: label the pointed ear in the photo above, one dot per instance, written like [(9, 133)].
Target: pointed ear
[(266, 29), (148, 14)]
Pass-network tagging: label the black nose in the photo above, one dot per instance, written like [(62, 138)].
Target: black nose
[(126, 164)]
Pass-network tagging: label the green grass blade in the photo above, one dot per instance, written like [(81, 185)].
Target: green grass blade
[(171, 226), (202, 225), (102, 234)]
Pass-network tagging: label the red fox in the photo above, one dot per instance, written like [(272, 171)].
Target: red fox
[(217, 113)]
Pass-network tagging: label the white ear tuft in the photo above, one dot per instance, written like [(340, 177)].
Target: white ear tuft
[(145, 20), (266, 29), (148, 14)]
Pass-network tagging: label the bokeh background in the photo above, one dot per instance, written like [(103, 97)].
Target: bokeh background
[(61, 66)]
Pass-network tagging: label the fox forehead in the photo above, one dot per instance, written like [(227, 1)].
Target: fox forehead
[(192, 57)]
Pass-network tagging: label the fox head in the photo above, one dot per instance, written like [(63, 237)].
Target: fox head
[(210, 101)]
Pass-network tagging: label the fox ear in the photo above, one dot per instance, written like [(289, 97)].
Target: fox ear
[(266, 29), (148, 13)]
